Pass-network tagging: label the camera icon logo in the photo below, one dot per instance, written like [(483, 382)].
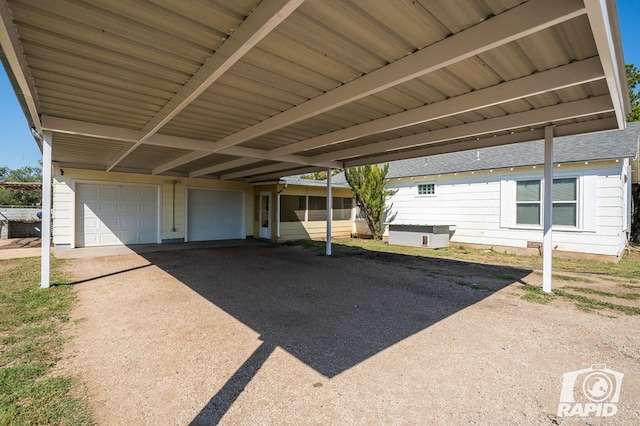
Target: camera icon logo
[(592, 391)]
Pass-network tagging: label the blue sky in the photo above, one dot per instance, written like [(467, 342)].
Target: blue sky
[(18, 148)]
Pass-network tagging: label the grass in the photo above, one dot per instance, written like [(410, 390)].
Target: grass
[(590, 304), (563, 277), (628, 296), (535, 294), (30, 346)]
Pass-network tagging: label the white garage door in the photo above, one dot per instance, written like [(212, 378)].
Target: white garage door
[(116, 214), (214, 215)]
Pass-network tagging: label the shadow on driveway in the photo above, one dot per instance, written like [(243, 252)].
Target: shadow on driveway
[(330, 312)]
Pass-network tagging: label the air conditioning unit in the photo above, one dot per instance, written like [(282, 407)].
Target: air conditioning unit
[(431, 236)]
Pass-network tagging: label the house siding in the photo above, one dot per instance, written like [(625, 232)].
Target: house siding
[(473, 203), (64, 200)]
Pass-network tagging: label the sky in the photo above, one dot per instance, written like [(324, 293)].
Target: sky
[(19, 149)]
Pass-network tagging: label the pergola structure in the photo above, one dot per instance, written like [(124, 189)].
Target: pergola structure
[(255, 90)]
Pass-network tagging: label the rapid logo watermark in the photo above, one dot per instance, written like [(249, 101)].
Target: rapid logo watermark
[(590, 392)]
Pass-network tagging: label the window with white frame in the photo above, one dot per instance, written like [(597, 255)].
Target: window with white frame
[(565, 202), (426, 189)]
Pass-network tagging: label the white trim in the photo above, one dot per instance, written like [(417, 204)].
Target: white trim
[(417, 193), (269, 214), (600, 25)]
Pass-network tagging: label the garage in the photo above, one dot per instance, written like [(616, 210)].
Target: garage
[(116, 214), (215, 215)]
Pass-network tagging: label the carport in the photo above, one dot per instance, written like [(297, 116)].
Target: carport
[(255, 90)]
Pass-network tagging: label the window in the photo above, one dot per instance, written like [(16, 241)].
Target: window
[(528, 202), (317, 209), (565, 203), (292, 208), (529, 205), (427, 189), (342, 208)]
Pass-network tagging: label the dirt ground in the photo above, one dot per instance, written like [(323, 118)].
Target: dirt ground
[(280, 335)]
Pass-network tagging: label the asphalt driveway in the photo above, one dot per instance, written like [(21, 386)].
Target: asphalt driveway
[(267, 334)]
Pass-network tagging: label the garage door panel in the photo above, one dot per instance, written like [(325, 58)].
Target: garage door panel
[(215, 215), (108, 192), (115, 214)]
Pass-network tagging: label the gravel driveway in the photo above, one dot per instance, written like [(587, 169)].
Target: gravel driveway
[(271, 334)]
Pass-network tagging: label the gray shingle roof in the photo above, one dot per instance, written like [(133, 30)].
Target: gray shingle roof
[(615, 144)]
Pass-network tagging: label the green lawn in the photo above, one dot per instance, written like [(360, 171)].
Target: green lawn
[(30, 345)]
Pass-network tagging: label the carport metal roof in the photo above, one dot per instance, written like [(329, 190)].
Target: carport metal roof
[(256, 90)]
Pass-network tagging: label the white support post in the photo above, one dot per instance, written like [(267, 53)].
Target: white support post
[(329, 211), (547, 219), (45, 238)]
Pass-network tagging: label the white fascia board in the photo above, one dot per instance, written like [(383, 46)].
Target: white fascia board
[(516, 23), (12, 48), (602, 32), (575, 109)]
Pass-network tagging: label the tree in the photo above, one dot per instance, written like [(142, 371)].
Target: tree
[(20, 197), (633, 80), (368, 188), (321, 175)]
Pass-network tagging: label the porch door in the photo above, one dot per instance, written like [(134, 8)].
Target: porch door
[(265, 217)]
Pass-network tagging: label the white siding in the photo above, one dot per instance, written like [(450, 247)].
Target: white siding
[(480, 207)]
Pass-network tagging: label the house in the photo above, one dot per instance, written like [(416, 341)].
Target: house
[(493, 196), (93, 208), (147, 114)]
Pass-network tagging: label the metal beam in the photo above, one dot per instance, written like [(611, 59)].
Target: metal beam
[(259, 170), (272, 176), (486, 142), (195, 155), (264, 19), (84, 128), (555, 79), (597, 105), (222, 167), (516, 23)]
